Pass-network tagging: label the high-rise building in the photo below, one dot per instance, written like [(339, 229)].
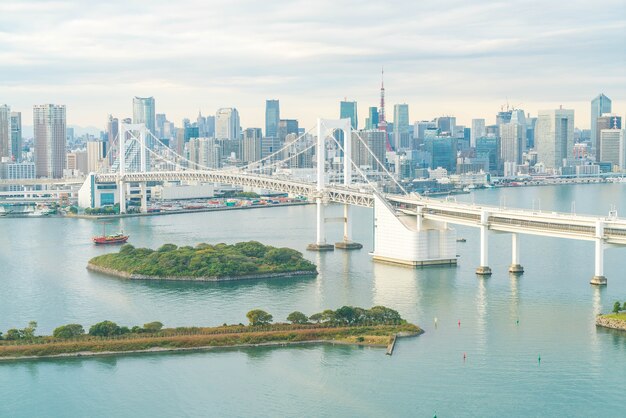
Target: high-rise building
[(530, 132), (251, 145), (204, 153), (372, 118), (160, 125), (5, 133), (348, 110), (446, 125), (49, 126), (478, 131), (286, 127), (401, 126), (16, 136), (554, 137), (443, 151), (227, 123), (503, 117), (420, 128), (606, 121), (376, 142), (599, 105), (269, 146), (488, 148), (143, 112), (272, 116), (96, 151), (513, 139), (113, 129), (613, 148), (210, 126)]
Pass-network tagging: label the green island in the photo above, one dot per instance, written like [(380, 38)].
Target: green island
[(377, 327), (615, 320), (204, 262)]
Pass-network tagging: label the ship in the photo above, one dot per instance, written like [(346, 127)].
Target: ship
[(104, 239), (118, 238)]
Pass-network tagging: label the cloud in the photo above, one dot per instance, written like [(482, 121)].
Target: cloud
[(94, 56)]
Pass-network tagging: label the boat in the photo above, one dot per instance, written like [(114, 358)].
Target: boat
[(105, 239), (461, 240)]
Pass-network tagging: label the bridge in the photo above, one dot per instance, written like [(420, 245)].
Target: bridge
[(408, 229)]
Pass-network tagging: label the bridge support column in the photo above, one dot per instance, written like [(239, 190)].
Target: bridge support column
[(347, 243), (320, 242), (598, 277), (144, 197), (515, 267), (484, 269), (122, 189)]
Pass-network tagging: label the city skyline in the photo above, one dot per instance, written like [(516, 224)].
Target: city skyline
[(478, 64)]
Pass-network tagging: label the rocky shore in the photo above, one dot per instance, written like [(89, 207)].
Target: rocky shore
[(132, 276), (607, 322)]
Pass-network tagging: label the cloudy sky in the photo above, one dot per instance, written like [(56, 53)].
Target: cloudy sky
[(463, 58)]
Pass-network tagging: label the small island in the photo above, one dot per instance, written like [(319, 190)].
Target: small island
[(615, 320), (375, 327), (204, 262)]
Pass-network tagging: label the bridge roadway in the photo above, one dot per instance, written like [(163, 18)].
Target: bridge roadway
[(561, 225)]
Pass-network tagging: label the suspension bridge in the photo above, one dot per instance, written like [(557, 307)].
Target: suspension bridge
[(408, 229)]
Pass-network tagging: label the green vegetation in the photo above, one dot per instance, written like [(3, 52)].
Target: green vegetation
[(221, 260), (346, 325), (620, 316)]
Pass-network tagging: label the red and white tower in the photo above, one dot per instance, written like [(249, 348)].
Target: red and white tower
[(382, 123)]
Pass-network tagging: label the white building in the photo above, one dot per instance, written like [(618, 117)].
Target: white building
[(5, 132), (49, 128), (512, 140), (478, 131), (554, 137), (612, 148), (227, 124)]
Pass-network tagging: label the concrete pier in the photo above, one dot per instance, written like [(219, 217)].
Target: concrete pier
[(515, 267), (598, 278), (484, 269), (348, 245)]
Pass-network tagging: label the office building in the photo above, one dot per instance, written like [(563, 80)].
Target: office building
[(372, 119), (49, 128), (423, 129), (599, 106), (227, 123), (160, 120), (204, 153), (348, 110), (443, 152), (606, 121), (269, 146), (554, 137), (251, 145), (612, 148), (5, 133), (272, 117), (286, 127), (401, 136), (512, 142), (17, 170), (96, 151), (143, 112), (478, 131), (16, 136), (446, 125), (488, 149)]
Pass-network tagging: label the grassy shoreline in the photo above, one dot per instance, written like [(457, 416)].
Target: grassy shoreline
[(612, 320), (171, 339)]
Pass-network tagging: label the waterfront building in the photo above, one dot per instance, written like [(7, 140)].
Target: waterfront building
[(272, 117), (599, 106), (49, 126), (478, 131), (401, 136), (251, 145), (17, 170), (227, 124), (5, 133), (613, 148), (554, 137), (606, 121)]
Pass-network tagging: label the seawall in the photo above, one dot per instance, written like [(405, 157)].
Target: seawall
[(603, 321)]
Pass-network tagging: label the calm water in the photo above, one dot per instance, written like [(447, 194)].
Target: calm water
[(582, 370)]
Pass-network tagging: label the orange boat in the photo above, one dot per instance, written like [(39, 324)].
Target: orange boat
[(118, 238)]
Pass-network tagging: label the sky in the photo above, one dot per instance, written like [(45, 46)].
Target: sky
[(442, 57)]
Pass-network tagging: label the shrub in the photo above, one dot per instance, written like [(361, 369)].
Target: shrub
[(153, 326), (105, 329), (68, 331)]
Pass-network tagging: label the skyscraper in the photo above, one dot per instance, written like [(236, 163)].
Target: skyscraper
[(227, 123), (16, 136), (372, 119), (601, 104), (113, 128), (478, 131), (251, 145), (272, 116), (401, 126), (286, 127), (513, 138), (5, 132), (613, 147), (348, 110), (606, 121), (554, 137), (49, 126), (446, 125), (143, 112)]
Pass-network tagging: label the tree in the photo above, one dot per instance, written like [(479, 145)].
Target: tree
[(29, 331), (167, 247), (153, 326), (105, 329), (328, 315), (346, 315), (68, 331), (624, 307), (297, 318), (14, 334), (259, 317), (382, 314), (616, 307), (316, 317)]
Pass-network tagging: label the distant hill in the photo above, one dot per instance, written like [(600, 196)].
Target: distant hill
[(27, 131)]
